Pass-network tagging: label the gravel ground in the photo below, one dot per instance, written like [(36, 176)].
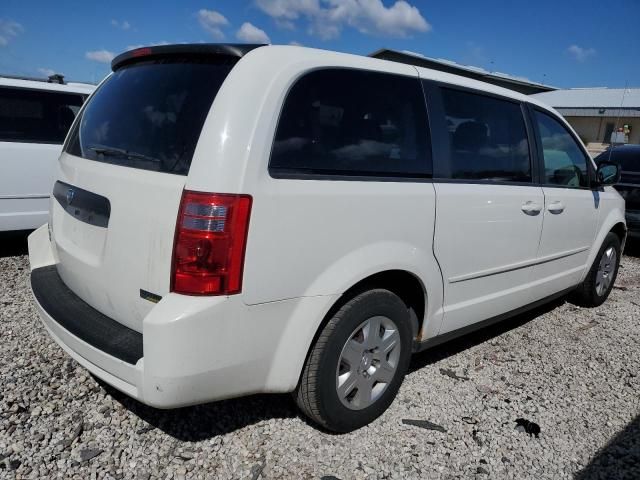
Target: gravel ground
[(571, 372)]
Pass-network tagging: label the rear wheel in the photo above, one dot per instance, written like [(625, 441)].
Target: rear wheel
[(356, 366), (599, 281)]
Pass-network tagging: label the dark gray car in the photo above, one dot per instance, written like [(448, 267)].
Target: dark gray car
[(628, 157)]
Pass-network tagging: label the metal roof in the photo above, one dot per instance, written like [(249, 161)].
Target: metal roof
[(607, 98), (599, 112), (509, 81)]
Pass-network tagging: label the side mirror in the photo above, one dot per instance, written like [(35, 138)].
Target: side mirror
[(608, 173)]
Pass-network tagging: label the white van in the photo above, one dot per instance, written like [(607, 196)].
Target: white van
[(35, 116), (238, 219)]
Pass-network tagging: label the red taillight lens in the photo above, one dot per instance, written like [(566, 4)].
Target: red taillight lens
[(211, 235), (141, 52)]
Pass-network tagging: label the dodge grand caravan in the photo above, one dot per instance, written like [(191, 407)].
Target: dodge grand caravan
[(230, 219)]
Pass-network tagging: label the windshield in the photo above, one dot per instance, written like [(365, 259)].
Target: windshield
[(149, 115)]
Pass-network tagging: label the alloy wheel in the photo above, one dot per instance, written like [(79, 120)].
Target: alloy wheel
[(606, 270), (368, 362)]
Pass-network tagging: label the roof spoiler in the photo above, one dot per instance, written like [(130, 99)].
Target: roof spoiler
[(230, 50)]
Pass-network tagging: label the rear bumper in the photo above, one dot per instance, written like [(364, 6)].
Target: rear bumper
[(121, 375), (191, 349), (81, 320)]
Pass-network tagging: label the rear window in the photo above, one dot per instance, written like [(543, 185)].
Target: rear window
[(36, 116), (353, 123), (149, 115)]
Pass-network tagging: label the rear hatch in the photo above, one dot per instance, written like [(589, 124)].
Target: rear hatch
[(122, 173)]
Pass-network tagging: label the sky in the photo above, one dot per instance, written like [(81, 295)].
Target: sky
[(564, 43)]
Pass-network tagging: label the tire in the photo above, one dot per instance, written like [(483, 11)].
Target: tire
[(345, 366), (594, 290)]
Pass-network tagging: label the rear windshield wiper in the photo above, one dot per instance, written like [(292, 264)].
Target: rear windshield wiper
[(121, 152)]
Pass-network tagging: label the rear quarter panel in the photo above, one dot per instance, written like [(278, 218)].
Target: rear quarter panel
[(309, 237)]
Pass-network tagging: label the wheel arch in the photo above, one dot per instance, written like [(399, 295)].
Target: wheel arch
[(620, 229), (405, 284), (613, 222)]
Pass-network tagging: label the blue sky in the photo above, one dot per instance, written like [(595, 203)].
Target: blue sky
[(563, 43)]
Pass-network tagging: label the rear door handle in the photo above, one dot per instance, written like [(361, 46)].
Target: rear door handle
[(531, 208), (556, 207)]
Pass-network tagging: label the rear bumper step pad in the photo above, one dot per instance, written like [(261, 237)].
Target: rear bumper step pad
[(82, 320)]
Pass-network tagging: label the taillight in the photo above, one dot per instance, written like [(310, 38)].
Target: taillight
[(211, 235), (141, 52)]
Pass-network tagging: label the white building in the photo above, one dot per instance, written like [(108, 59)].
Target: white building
[(595, 113)]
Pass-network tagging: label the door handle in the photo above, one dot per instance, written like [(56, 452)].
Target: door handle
[(556, 207), (531, 208)]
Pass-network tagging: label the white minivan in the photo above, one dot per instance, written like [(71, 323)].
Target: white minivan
[(35, 116), (234, 219)]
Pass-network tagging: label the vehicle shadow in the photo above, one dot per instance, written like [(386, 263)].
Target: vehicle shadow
[(455, 346), (619, 459), (203, 422), (13, 243), (632, 247)]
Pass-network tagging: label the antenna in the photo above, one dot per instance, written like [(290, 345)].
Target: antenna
[(615, 128)]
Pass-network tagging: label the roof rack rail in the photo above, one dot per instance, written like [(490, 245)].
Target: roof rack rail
[(230, 50), (55, 78)]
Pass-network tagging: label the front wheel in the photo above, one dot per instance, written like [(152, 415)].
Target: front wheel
[(599, 281), (358, 362)]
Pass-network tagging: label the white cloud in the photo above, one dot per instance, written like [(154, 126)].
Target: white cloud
[(123, 25), (212, 22), (47, 72), (295, 44), (327, 18), (251, 34), (579, 53), (285, 24), (288, 9), (8, 31), (324, 30), (371, 16), (102, 56)]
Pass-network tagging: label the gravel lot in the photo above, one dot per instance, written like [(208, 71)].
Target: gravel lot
[(573, 372)]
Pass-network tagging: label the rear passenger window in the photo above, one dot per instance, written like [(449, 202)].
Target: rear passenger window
[(565, 164), (36, 116), (487, 138), (351, 122)]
